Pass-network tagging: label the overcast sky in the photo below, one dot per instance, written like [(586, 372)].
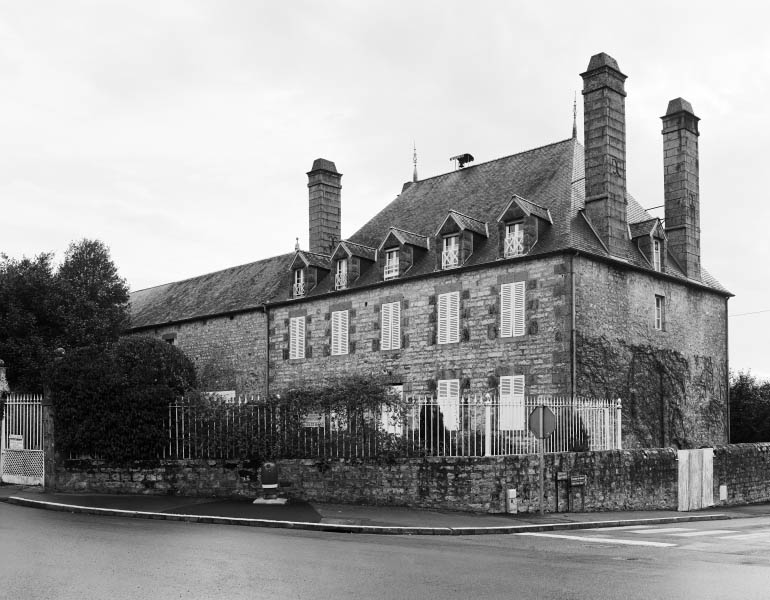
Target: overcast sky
[(180, 132)]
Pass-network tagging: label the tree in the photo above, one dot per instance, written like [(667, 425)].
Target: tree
[(749, 409), (83, 302)]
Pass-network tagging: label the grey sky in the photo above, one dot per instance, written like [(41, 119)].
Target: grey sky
[(180, 132)]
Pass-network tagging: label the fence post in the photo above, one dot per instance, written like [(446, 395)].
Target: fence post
[(487, 425), (618, 424)]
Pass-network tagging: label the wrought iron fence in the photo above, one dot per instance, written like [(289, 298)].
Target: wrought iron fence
[(479, 425)]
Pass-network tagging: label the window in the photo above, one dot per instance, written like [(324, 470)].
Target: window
[(450, 257), (512, 309), (656, 255), (391, 263), (514, 240), (297, 337), (390, 330), (169, 338), (339, 332), (299, 283), (449, 402), (512, 414), (660, 313), (449, 318), (341, 276)]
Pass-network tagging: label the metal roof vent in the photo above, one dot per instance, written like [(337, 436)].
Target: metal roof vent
[(461, 160)]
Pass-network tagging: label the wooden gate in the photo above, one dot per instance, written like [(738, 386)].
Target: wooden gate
[(21, 451), (696, 479)]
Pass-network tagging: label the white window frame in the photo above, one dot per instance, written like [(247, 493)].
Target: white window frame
[(448, 399), (448, 320), (297, 337), (512, 415), (656, 255), (299, 283), (514, 239), (341, 275), (450, 255), (391, 263), (660, 313), (390, 326), (339, 343), (512, 309)]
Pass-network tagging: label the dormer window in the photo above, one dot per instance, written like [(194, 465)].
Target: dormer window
[(450, 256), (391, 263), (514, 239), (341, 275), (299, 283), (656, 255)]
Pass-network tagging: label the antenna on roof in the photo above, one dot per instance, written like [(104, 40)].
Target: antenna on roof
[(414, 160), (461, 160), (574, 118)]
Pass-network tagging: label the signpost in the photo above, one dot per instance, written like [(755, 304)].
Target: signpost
[(542, 423)]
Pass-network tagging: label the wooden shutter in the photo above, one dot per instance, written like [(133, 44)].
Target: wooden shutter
[(449, 402), (518, 308), (385, 319), (449, 318), (506, 310), (512, 413), (390, 329), (297, 337), (339, 332)]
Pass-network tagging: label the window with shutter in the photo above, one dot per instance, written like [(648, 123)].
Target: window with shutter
[(512, 413), (449, 318), (297, 337), (339, 332), (512, 309), (449, 402), (390, 329)]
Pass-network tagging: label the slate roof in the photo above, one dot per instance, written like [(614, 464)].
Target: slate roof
[(642, 228), (550, 179), (466, 222)]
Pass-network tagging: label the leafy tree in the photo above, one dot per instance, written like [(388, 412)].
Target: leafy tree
[(83, 302), (749, 409)]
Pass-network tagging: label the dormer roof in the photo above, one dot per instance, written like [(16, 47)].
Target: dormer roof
[(651, 227), (464, 223), (402, 236), (303, 259), (346, 249), (528, 207)]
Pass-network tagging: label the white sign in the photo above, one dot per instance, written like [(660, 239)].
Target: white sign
[(15, 442), (313, 420)]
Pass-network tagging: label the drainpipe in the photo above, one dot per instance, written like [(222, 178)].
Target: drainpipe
[(267, 351), (573, 340), (727, 369)]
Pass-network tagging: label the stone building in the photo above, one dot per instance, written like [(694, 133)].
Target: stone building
[(536, 273)]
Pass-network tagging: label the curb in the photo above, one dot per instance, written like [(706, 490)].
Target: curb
[(370, 529)]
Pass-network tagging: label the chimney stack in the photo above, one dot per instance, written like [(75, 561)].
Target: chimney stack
[(604, 116), (681, 189), (324, 190)]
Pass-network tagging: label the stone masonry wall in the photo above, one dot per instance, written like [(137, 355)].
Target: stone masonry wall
[(673, 383), (478, 360), (745, 470), (230, 352)]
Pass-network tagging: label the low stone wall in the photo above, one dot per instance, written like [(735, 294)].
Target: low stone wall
[(608, 480)]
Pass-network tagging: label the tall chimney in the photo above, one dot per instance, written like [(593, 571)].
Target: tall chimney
[(681, 189), (604, 117), (324, 189)]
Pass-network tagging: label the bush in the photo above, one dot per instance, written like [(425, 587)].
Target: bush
[(749, 409), (112, 402)]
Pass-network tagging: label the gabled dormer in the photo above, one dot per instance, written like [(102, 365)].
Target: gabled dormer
[(399, 251), (519, 227), (650, 237), (456, 238), (349, 261), (307, 269)]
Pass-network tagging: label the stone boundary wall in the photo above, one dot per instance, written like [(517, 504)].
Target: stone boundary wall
[(614, 480)]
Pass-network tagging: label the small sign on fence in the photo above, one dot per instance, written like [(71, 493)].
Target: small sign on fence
[(15, 442), (562, 476), (577, 480), (315, 419)]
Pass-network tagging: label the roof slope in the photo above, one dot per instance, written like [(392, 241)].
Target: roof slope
[(234, 289)]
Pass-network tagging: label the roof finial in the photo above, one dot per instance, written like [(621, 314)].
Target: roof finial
[(574, 118), (296, 245), (414, 160)]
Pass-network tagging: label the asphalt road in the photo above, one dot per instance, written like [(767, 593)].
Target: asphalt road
[(59, 555)]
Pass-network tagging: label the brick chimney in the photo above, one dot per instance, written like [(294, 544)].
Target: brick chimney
[(604, 117), (324, 189), (681, 189)]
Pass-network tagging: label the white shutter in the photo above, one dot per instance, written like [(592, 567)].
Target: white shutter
[(339, 332), (512, 414), (385, 334), (297, 337), (390, 327), (449, 402), (506, 310), (449, 318), (518, 308)]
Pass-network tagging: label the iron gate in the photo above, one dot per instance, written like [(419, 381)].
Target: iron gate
[(21, 454)]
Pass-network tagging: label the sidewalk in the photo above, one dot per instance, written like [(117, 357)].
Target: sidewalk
[(349, 518)]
